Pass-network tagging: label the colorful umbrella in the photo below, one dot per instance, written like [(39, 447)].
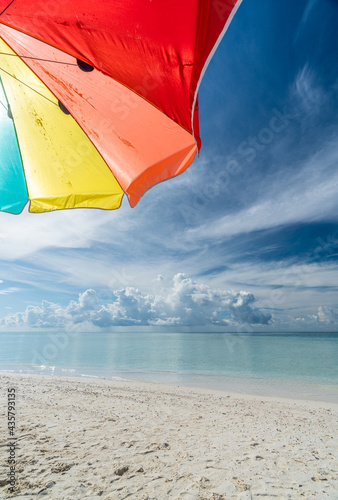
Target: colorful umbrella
[(99, 99)]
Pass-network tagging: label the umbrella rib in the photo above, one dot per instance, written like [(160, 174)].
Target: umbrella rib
[(7, 7), (37, 59), (31, 88)]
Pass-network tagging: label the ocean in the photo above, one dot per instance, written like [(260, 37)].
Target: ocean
[(302, 366)]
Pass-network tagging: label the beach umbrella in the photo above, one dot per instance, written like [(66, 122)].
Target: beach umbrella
[(100, 98)]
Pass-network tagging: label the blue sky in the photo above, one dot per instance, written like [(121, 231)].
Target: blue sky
[(245, 240)]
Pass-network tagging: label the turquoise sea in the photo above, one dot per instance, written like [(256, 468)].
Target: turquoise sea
[(293, 365)]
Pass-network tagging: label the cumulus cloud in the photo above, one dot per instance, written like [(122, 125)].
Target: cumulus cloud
[(158, 278), (327, 315), (325, 319), (186, 303)]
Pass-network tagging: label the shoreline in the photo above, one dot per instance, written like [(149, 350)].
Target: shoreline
[(82, 437), (277, 389)]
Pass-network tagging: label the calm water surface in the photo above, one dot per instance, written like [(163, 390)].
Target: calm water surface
[(291, 365)]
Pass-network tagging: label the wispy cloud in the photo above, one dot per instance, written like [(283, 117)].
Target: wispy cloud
[(309, 194), (307, 13), (6, 291), (311, 96)]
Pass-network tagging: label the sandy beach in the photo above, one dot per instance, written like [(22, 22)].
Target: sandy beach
[(116, 439)]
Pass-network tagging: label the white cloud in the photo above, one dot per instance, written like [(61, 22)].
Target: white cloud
[(71, 229), (325, 319), (307, 14), (307, 194), (327, 315), (158, 278), (11, 289), (310, 95), (186, 303)]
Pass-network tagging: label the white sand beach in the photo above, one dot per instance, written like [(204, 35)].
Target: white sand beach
[(115, 439)]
